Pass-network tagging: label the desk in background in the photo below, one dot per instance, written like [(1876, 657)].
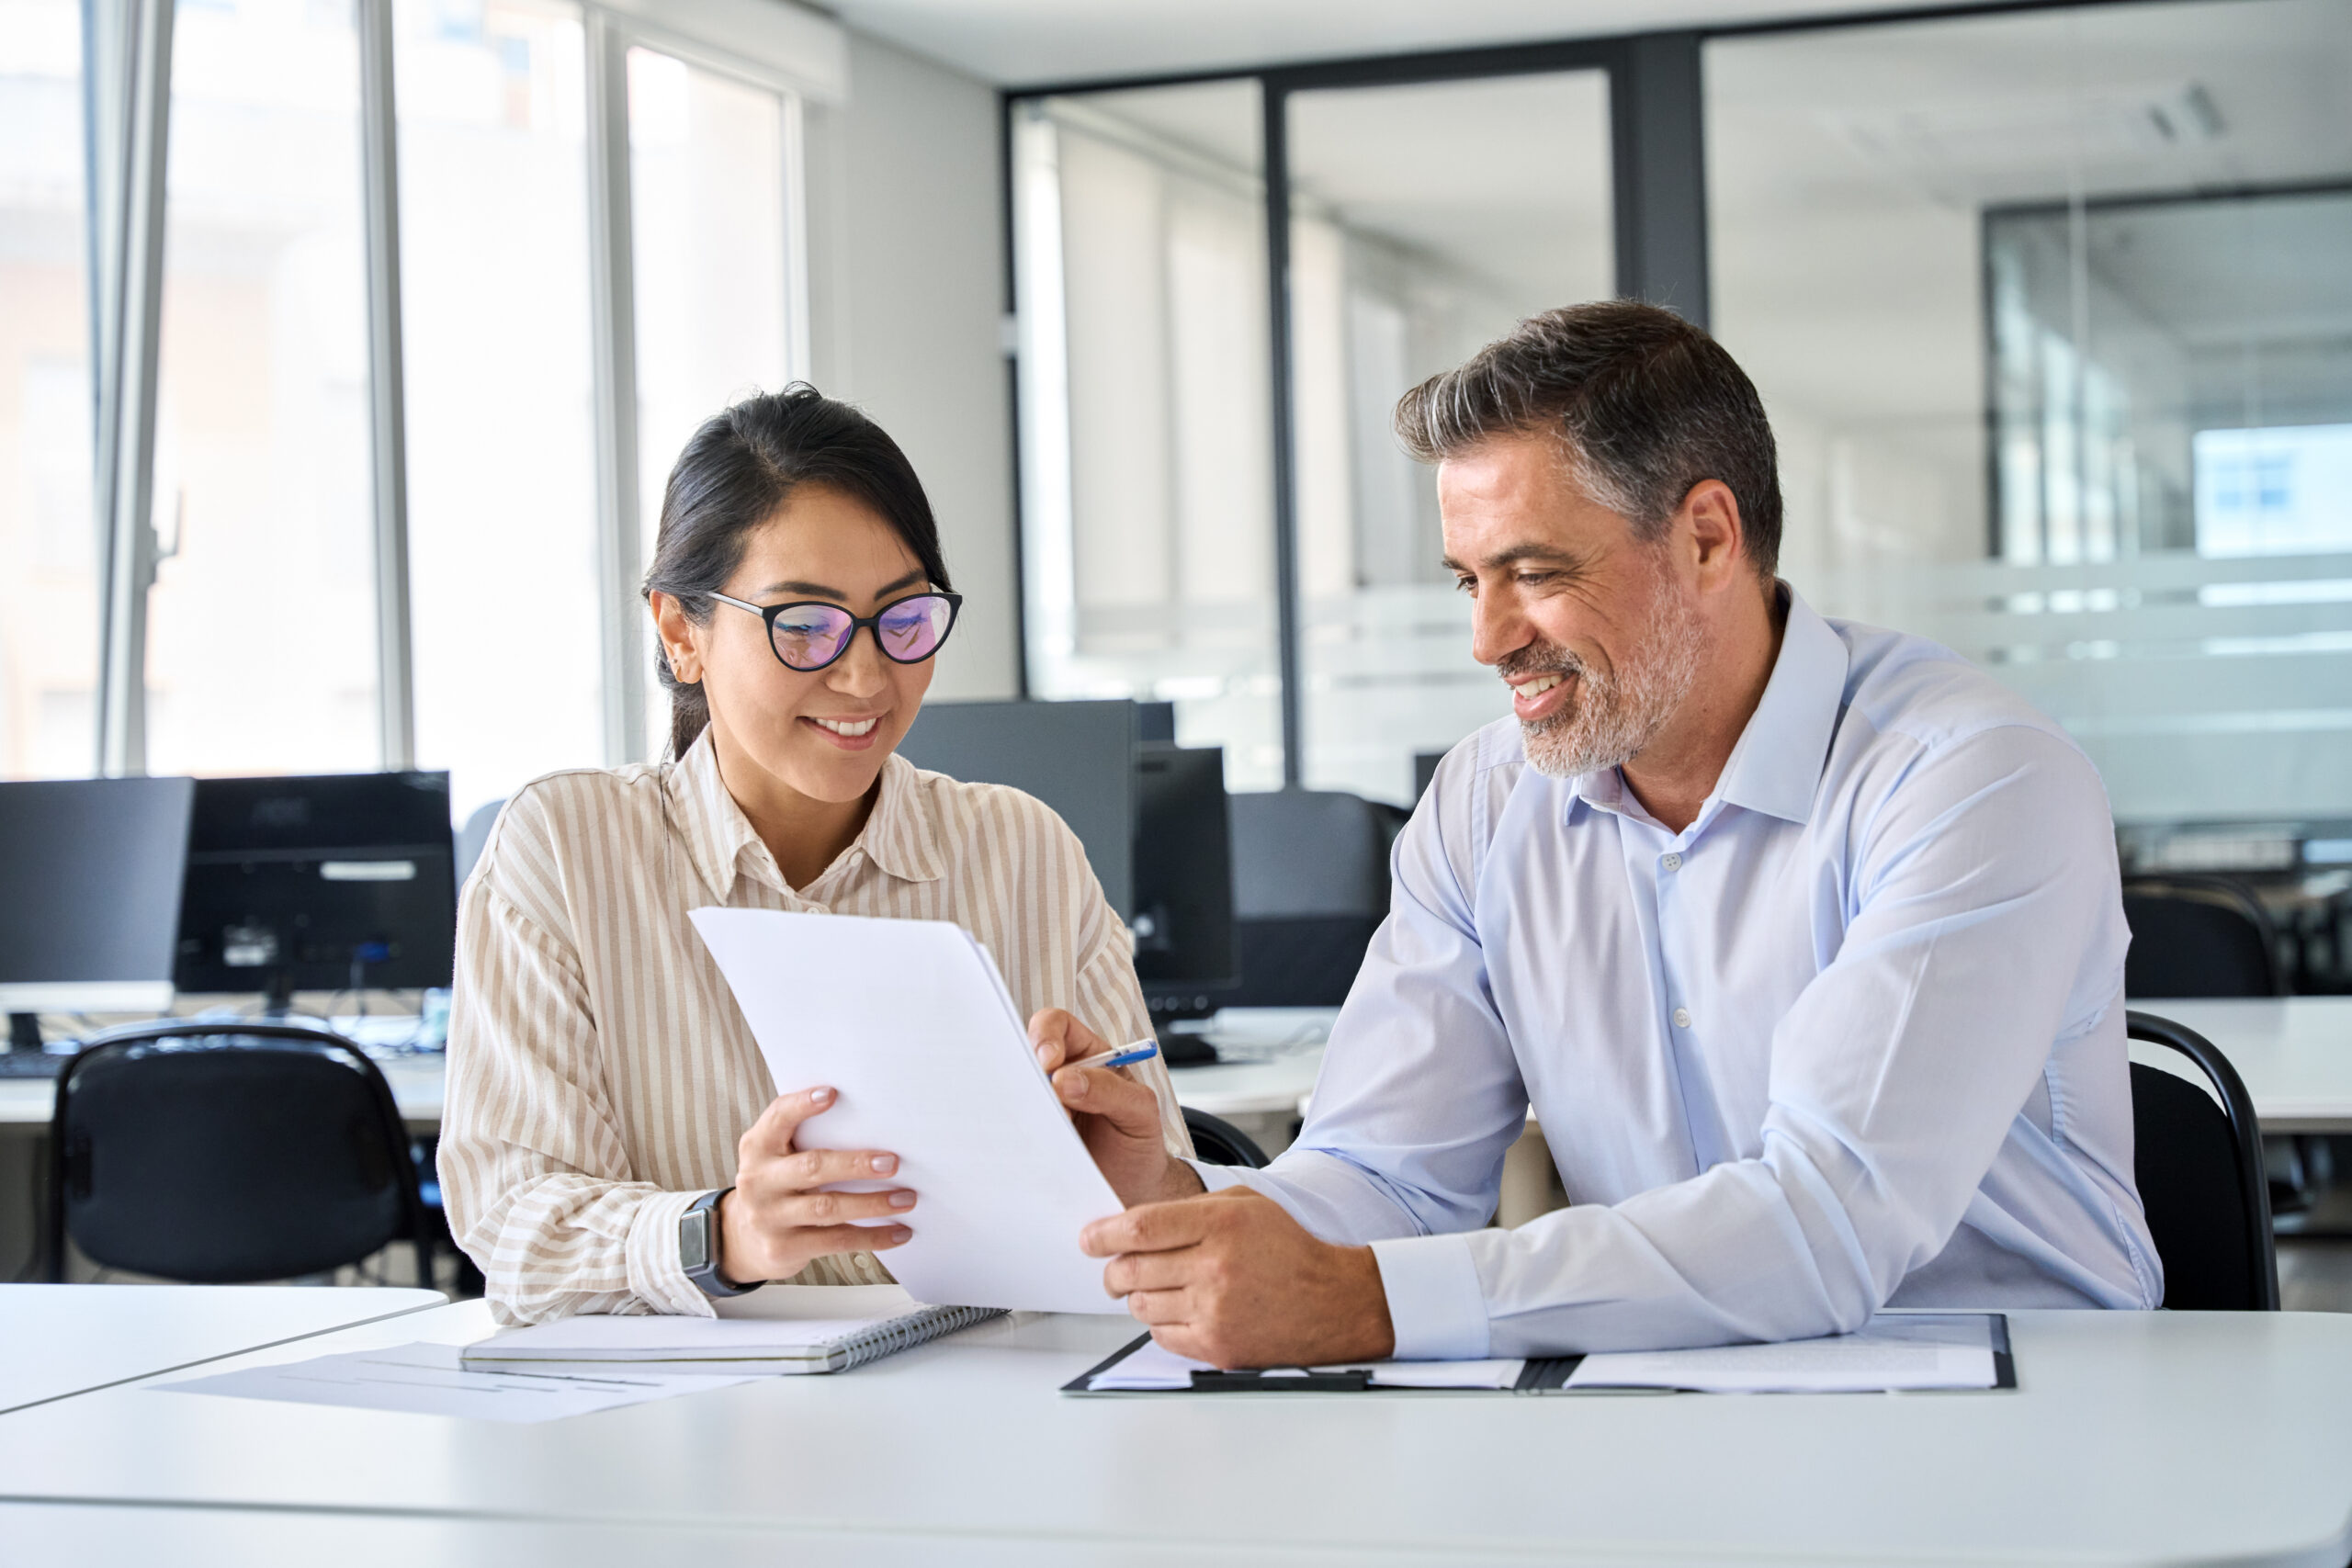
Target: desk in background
[(2134, 1437)]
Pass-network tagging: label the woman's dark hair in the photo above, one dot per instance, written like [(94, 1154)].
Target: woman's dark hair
[(737, 473)]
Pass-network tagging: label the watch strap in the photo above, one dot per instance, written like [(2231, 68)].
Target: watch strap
[(699, 1247)]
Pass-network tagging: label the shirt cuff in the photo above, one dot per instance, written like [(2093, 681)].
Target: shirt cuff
[(1434, 1302), (1218, 1177), (656, 1276)]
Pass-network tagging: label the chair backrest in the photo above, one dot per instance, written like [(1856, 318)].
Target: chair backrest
[(1219, 1142), (2198, 1165), (474, 836), (226, 1153), (1310, 885), (2198, 936)]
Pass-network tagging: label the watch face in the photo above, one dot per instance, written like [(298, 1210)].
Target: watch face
[(693, 1239)]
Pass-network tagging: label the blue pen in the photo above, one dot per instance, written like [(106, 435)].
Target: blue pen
[(1126, 1057)]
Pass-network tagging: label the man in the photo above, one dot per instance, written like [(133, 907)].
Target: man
[(1802, 939)]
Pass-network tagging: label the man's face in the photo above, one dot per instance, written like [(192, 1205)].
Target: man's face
[(1596, 635)]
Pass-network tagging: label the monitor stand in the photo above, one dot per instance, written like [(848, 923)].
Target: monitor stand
[(24, 1031), (278, 1001)]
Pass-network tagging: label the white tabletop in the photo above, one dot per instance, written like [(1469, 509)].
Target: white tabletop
[(57, 1341), (2134, 1438), (2294, 1052)]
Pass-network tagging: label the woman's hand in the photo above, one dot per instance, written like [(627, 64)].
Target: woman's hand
[(775, 1222), (1118, 1118)]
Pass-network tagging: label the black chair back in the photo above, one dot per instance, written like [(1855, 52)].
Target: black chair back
[(2198, 936), (229, 1152), (1219, 1142), (2200, 1170)]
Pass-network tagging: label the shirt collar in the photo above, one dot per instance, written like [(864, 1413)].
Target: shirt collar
[(1775, 767), (900, 836)]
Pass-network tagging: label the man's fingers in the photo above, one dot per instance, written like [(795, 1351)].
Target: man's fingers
[(1158, 1308), (1132, 1272), (1127, 1105), (1148, 1227), (1058, 1037)]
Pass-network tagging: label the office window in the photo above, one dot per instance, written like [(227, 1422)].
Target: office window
[(261, 654), (1145, 426), (2051, 316), (1426, 220), (49, 547), (502, 499), (711, 224)]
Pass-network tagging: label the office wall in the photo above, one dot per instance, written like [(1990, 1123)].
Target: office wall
[(907, 297)]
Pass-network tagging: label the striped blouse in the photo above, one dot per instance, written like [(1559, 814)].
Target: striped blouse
[(600, 1073)]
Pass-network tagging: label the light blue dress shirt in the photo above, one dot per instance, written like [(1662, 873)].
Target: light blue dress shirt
[(1852, 1038)]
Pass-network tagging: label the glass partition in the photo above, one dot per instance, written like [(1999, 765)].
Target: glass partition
[(2052, 317), (1147, 488), (1426, 220), (49, 542)]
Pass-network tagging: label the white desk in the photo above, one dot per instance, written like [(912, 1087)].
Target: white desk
[(25, 1103), (57, 1341), (2295, 1054), (2135, 1438)]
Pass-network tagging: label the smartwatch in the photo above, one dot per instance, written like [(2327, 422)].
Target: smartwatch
[(699, 1247)]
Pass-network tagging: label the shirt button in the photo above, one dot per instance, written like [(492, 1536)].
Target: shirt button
[(1681, 1017), (1673, 863)]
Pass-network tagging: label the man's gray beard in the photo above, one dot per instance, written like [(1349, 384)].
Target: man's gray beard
[(1611, 718)]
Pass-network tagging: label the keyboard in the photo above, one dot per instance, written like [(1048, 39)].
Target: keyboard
[(31, 1064)]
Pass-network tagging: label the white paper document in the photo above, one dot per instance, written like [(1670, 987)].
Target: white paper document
[(1893, 1352), (911, 1023), (1153, 1368), (428, 1380)]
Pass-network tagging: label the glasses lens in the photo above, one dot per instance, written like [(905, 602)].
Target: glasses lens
[(913, 629), (808, 636)]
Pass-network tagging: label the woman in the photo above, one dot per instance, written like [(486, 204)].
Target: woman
[(602, 1085)]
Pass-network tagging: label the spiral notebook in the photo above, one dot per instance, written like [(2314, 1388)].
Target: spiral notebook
[(780, 1331)]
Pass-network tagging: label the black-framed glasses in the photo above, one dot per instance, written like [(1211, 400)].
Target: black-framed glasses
[(808, 634)]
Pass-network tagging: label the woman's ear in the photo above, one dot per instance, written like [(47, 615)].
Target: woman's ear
[(680, 641)]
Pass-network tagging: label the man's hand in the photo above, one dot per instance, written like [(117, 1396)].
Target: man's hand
[(1232, 1280), (1118, 1118)]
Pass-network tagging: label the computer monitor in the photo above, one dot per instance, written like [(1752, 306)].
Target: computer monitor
[(330, 883), (1076, 757), (1183, 920), (89, 896)]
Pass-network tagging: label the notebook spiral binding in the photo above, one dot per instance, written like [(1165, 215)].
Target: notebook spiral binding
[(906, 1332)]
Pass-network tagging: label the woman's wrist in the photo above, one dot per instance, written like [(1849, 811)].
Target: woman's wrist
[(742, 1259)]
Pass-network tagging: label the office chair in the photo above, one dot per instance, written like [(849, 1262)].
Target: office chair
[(226, 1153), (1219, 1142), (2199, 1169), (1310, 885), (2198, 936)]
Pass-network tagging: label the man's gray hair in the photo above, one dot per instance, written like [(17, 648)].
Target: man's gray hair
[(1646, 406)]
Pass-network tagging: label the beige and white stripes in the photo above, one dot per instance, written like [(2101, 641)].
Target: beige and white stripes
[(600, 1073)]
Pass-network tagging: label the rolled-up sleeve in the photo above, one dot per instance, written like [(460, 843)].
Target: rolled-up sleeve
[(533, 1165)]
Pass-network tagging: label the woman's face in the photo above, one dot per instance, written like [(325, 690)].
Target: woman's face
[(823, 734)]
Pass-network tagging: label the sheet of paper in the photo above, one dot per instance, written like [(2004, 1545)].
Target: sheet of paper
[(1893, 1351), (1153, 1367), (910, 1022), (427, 1380)]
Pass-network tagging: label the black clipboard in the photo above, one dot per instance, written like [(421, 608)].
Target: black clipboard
[(1541, 1375)]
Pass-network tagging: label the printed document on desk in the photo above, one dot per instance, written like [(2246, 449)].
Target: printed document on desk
[(910, 1022), (1893, 1352)]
